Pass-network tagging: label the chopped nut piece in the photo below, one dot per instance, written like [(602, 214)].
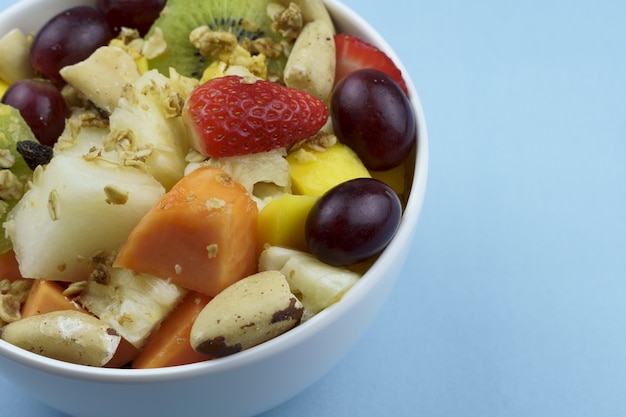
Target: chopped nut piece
[(6, 158), (120, 139), (92, 118), (288, 22), (320, 142), (9, 308), (128, 35), (268, 47), (100, 265), (173, 104), (248, 80), (12, 295), (250, 26), (101, 257), (129, 40), (302, 156), (212, 42), (93, 154), (11, 187), (123, 141), (100, 274)]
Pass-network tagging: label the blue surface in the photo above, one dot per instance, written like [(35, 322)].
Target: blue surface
[(514, 301)]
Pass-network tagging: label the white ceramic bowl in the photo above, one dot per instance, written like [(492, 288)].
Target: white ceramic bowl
[(248, 382)]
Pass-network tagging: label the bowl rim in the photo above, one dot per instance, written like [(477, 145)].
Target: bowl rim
[(312, 326)]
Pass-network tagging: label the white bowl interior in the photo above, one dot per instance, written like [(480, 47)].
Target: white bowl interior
[(299, 357)]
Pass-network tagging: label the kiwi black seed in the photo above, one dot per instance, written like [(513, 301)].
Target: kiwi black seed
[(180, 17)]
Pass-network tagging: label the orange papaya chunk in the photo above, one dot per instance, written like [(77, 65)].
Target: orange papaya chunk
[(170, 345), (46, 297), (201, 235), (124, 355), (9, 268)]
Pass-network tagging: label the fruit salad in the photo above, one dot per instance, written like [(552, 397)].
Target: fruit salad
[(183, 180)]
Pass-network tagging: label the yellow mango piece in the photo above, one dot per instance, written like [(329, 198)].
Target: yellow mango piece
[(281, 221), (314, 172), (142, 64), (215, 70), (4, 86), (394, 177)]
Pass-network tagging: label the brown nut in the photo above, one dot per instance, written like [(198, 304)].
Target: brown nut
[(247, 313), (312, 61), (70, 336)]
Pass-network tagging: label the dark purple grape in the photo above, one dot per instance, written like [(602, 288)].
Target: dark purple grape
[(134, 14), (68, 38), (372, 115), (353, 221), (41, 105)]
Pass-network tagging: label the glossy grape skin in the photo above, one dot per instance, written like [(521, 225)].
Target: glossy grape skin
[(41, 105), (68, 38), (353, 221), (372, 115), (135, 14)]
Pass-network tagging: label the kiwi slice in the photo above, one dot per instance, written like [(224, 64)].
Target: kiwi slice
[(13, 129), (248, 20)]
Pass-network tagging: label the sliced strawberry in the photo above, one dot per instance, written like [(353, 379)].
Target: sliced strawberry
[(354, 53), (233, 115)]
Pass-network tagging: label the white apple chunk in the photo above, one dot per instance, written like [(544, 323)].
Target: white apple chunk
[(77, 207), (147, 127), (81, 139)]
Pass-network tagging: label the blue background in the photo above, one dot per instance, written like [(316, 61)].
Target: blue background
[(513, 302)]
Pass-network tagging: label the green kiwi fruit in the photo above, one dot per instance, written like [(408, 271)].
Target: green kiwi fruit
[(180, 17), (13, 129)]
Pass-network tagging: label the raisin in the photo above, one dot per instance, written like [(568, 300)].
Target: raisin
[(34, 153)]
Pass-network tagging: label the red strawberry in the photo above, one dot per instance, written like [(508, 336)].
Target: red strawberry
[(354, 53), (233, 115)]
